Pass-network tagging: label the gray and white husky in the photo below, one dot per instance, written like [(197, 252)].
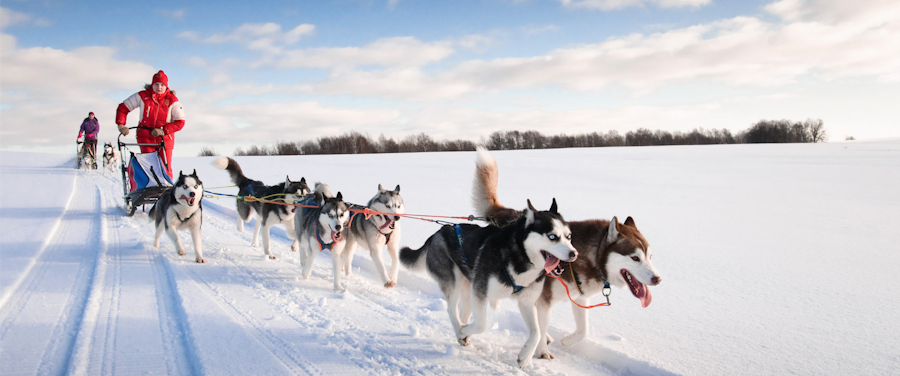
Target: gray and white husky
[(110, 158), (376, 232), (323, 227), (490, 263), (608, 250), (268, 214), (180, 208)]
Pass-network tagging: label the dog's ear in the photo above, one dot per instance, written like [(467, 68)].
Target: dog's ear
[(287, 180), (553, 207), (339, 197), (180, 174), (529, 214), (397, 189), (320, 198), (612, 234), (195, 173), (302, 180), (630, 222), (380, 189)]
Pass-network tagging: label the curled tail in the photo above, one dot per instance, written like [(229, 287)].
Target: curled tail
[(234, 170), (484, 191), (414, 259)]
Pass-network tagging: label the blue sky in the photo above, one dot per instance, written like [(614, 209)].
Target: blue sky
[(254, 73)]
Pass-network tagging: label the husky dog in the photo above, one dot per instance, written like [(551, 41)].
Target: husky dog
[(179, 208), (491, 263), (110, 158), (268, 214), (376, 231), (616, 252), (322, 228)]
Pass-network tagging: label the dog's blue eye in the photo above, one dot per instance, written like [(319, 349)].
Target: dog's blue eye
[(553, 237)]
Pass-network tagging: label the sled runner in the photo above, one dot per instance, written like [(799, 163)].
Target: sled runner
[(144, 177)]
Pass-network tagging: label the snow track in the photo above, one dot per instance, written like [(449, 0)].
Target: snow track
[(98, 299)]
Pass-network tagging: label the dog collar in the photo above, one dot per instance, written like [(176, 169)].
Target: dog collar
[(322, 243)]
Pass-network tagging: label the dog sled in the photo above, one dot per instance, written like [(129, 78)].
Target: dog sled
[(144, 176), (87, 159)]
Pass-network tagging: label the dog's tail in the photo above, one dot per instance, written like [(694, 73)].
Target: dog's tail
[(414, 259), (234, 170), (323, 189), (484, 190), (151, 215)]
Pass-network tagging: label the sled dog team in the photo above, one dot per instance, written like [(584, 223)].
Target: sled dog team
[(474, 266)]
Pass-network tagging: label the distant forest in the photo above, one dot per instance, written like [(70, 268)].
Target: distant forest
[(763, 131)]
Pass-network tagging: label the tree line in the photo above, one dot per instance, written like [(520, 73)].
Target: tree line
[(763, 131)]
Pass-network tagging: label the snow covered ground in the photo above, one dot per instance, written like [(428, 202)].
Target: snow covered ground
[(776, 259)]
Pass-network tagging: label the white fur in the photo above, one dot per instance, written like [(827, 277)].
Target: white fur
[(527, 297), (181, 209), (375, 242), (332, 220)]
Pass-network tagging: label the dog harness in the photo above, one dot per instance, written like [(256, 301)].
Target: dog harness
[(322, 244), (516, 288), (387, 236)]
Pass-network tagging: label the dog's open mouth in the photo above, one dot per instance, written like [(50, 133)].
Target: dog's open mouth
[(639, 289), (190, 200), (550, 261), (336, 236), (388, 223)]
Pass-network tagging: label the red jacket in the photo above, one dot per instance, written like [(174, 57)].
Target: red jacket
[(157, 111)]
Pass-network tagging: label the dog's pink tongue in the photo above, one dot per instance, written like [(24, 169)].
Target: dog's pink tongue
[(644, 295), (188, 199), (550, 263)]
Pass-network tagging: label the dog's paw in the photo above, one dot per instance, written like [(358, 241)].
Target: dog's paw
[(295, 247), (464, 341), (254, 245), (549, 339), (523, 362), (272, 257), (340, 289), (546, 355), (571, 339), (390, 284), (156, 244), (181, 252), (201, 260)]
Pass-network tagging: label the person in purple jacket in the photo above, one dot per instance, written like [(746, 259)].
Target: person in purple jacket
[(89, 128)]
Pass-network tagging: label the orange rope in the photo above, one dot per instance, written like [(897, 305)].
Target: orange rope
[(573, 301)]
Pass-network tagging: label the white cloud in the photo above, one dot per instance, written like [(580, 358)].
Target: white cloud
[(386, 52), (266, 37), (606, 5), (833, 41), (177, 14), (9, 17), (49, 91), (536, 30)]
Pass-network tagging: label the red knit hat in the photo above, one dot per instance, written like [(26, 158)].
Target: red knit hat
[(160, 77), (90, 113)]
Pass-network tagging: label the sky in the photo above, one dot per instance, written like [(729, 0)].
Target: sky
[(253, 73)]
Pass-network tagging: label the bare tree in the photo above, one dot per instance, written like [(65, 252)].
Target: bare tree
[(816, 128)]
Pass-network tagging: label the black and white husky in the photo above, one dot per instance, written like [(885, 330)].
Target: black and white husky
[(608, 251), (268, 214), (180, 208), (376, 232), (323, 227), (490, 263), (110, 158)]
